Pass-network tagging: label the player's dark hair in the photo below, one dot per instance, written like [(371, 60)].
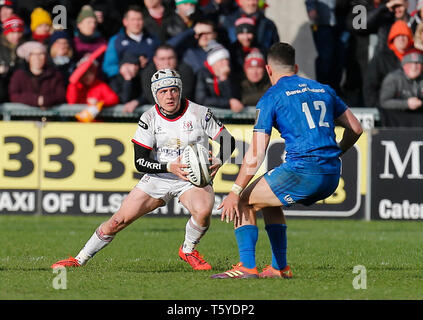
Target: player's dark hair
[(282, 54), (133, 7)]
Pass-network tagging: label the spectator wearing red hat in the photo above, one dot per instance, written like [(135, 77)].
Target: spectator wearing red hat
[(256, 81), (13, 29), (12, 36)]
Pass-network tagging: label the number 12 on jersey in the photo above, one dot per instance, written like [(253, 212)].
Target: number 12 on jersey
[(318, 105)]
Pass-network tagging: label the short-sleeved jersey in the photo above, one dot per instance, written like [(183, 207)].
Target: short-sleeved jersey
[(167, 138), (303, 111)]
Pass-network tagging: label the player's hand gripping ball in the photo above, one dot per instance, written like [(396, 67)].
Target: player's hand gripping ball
[(196, 157)]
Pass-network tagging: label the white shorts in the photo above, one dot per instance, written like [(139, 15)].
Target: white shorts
[(160, 187)]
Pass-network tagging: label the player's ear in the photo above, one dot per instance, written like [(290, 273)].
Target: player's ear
[(296, 69), (269, 70)]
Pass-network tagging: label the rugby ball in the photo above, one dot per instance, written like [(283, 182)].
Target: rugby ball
[(196, 156)]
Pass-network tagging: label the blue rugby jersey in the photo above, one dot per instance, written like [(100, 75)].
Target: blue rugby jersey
[(303, 111)]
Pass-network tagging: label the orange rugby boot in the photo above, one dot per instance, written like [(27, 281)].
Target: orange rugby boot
[(270, 272), (70, 262), (194, 259), (238, 271)]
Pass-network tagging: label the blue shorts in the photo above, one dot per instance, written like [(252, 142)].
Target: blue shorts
[(292, 187)]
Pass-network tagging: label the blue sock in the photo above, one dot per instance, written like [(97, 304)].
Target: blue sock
[(246, 237), (278, 242)]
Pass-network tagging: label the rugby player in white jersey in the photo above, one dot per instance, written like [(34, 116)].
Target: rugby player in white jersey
[(162, 134)]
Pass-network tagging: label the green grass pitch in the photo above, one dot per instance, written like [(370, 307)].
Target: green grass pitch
[(142, 262)]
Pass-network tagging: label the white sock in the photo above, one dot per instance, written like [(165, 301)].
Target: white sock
[(97, 242), (193, 234)]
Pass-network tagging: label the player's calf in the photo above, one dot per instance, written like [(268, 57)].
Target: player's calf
[(248, 215), (193, 234), (98, 241), (113, 225)]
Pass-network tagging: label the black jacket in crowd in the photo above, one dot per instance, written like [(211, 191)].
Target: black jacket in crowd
[(205, 93), (381, 64)]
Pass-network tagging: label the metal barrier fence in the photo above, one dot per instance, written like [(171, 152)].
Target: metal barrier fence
[(66, 112)]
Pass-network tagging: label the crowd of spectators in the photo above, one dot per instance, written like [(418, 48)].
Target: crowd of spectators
[(362, 47), (108, 50)]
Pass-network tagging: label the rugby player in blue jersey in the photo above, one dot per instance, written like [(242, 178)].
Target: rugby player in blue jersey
[(305, 113)]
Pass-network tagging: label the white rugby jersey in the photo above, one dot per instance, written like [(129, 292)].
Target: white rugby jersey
[(167, 138)]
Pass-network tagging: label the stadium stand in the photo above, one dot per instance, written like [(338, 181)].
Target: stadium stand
[(104, 24)]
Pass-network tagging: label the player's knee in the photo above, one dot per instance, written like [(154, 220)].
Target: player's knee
[(202, 214), (245, 206)]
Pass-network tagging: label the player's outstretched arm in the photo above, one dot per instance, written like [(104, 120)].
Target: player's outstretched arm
[(352, 132), (251, 163), (253, 158)]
